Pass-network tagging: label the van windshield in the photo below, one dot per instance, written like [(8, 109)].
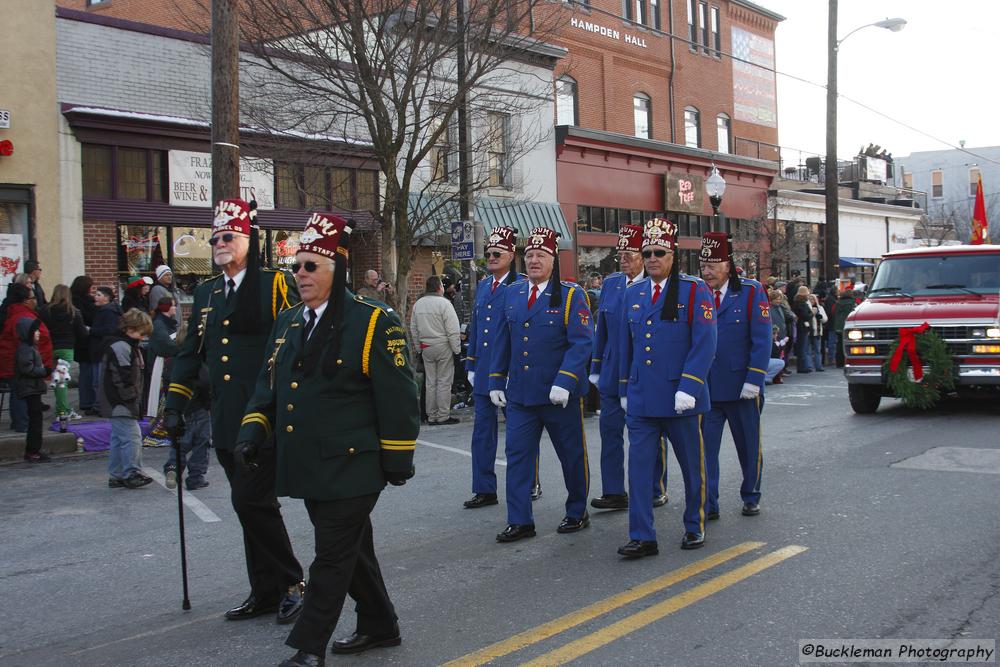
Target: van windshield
[(945, 274)]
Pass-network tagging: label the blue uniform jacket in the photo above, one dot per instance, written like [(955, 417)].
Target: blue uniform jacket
[(658, 357), (543, 347), (482, 330), (744, 323), (609, 311)]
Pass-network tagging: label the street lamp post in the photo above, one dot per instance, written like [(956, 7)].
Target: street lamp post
[(831, 245), (715, 186)]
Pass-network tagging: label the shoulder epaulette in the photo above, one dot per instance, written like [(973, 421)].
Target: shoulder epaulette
[(373, 304), (569, 283)]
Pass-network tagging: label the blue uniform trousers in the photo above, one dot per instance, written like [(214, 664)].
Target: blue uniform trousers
[(646, 436), (484, 446), (612, 425), (524, 432), (744, 423)]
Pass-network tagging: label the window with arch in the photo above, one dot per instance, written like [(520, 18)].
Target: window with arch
[(642, 110), (723, 127), (692, 127), (566, 101)]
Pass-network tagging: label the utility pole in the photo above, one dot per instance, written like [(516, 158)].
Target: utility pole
[(225, 100), (831, 244), (465, 203)]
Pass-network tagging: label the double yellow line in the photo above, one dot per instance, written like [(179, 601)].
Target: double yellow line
[(630, 624)]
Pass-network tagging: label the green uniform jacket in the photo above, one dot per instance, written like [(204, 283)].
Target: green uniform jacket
[(336, 436), (233, 360)]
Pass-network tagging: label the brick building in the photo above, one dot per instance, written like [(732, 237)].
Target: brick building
[(653, 93)]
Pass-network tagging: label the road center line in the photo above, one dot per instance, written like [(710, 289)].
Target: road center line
[(199, 508), (456, 450), (630, 624), (800, 405), (592, 611), (149, 633)]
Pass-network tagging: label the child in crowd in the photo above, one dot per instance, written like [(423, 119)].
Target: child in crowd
[(29, 384), (120, 398), (776, 363)]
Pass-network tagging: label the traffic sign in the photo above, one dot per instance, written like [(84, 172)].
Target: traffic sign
[(462, 240)]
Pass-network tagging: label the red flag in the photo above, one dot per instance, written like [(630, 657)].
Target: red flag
[(980, 227)]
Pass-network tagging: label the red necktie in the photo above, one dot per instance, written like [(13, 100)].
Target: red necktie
[(656, 293), (718, 296), (495, 283), (532, 296)]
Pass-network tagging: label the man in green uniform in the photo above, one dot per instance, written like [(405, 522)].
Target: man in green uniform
[(338, 394), (227, 332)]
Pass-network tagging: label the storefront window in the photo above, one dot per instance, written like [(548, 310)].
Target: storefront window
[(96, 171), (13, 237), (191, 252), (284, 245), (140, 248)]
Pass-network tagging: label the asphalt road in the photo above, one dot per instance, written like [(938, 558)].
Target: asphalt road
[(876, 526)]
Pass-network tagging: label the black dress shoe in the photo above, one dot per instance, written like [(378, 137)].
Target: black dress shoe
[(611, 501), (571, 525), (711, 516), (303, 659), (449, 420), (251, 608), (514, 532), (536, 492), (639, 548), (751, 509), (357, 643), (693, 541), (291, 603), (480, 500), (660, 501)]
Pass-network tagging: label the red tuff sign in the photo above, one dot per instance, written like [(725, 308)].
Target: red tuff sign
[(6, 148)]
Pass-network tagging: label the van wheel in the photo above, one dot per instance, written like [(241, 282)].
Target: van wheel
[(864, 397)]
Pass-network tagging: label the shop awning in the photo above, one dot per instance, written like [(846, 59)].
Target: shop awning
[(853, 261), (492, 212)]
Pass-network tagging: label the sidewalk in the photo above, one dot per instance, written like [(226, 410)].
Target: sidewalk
[(53, 442)]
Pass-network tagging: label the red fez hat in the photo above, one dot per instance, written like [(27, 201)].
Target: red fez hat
[(324, 234), (659, 232), (503, 238), (545, 239), (630, 238), (715, 247), (232, 215)]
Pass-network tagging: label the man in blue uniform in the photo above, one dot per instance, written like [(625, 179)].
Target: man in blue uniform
[(736, 381), (666, 347), (604, 376), (486, 317), (539, 372)]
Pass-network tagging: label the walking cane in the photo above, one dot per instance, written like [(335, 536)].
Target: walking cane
[(175, 442)]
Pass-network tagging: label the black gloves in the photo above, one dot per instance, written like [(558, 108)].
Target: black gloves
[(245, 454), (398, 478), (173, 423)]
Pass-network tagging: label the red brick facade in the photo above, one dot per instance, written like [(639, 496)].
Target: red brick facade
[(100, 252)]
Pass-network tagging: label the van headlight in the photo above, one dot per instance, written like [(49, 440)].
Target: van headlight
[(854, 334)]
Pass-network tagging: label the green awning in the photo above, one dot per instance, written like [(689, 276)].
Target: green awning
[(492, 212)]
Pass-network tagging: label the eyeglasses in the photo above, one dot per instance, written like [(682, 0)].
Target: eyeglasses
[(310, 266), (228, 238), (494, 254), (646, 254)]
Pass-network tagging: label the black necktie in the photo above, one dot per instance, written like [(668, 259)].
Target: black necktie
[(309, 324), (230, 291)]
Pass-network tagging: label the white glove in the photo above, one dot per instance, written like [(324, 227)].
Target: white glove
[(683, 401), (559, 396), (594, 379), (624, 401), (749, 391), (472, 378), (498, 398)]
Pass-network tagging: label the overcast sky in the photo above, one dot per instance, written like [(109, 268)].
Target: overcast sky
[(938, 75)]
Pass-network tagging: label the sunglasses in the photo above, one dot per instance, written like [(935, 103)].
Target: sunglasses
[(228, 238), (494, 254), (310, 266), (646, 254)]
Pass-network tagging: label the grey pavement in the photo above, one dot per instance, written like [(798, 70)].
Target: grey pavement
[(872, 526)]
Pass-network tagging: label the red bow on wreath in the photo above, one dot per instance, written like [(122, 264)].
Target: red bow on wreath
[(908, 345)]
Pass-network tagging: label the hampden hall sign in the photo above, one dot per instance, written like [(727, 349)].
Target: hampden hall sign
[(608, 32)]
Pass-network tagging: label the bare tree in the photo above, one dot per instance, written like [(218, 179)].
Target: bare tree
[(951, 222), (785, 242), (382, 74)]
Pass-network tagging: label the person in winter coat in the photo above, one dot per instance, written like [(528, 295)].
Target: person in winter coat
[(803, 330), (819, 321), (121, 400), (137, 294), (846, 303), (82, 290), (105, 324), (66, 326), (29, 384), (21, 303)]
